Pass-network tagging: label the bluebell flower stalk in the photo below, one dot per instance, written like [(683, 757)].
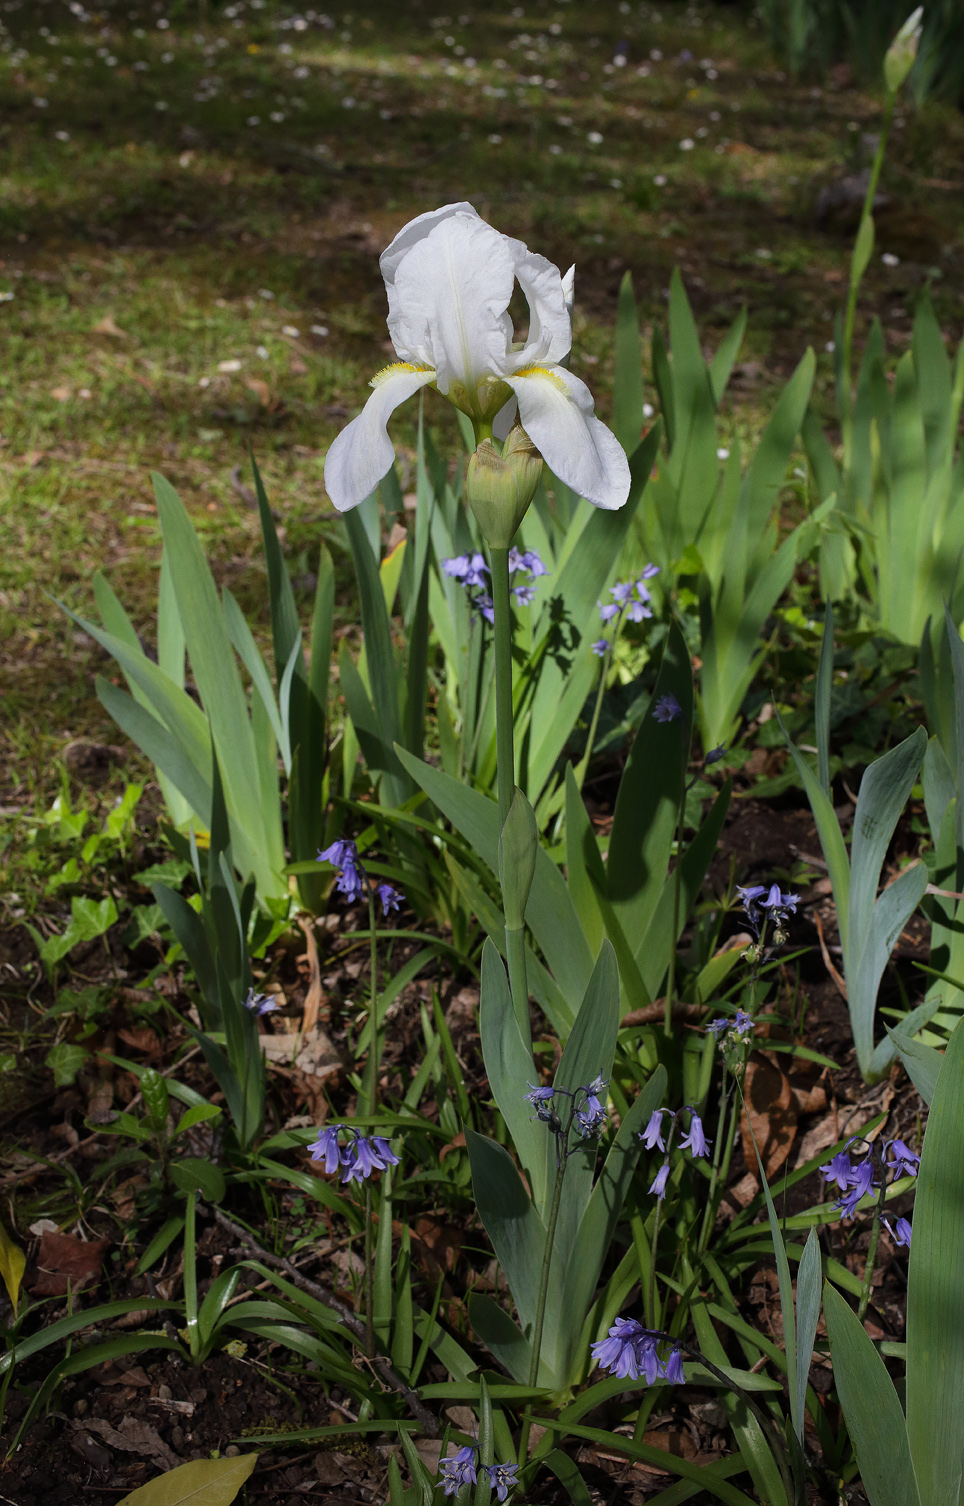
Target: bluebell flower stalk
[(855, 1182)]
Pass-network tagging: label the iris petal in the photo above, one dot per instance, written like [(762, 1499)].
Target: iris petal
[(362, 453), (556, 411)]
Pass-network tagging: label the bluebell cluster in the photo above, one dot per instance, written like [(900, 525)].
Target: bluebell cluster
[(775, 907), (858, 1181), (632, 1351), (471, 571), (738, 1028), (630, 598), (653, 1138), (260, 1004), (352, 878), (356, 1160), (590, 1115), (463, 1468)]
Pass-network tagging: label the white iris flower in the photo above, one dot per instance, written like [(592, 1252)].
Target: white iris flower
[(450, 277)]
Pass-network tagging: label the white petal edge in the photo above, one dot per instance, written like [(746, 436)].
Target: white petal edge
[(449, 299), (550, 328), (416, 230), (363, 453), (556, 411)]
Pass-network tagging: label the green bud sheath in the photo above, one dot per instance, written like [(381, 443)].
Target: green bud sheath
[(500, 487), (902, 51)]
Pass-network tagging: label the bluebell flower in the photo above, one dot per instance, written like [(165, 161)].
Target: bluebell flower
[(597, 1085), (383, 1150), (524, 594), (719, 1027), (260, 1004), (530, 561), (326, 1148), (361, 1158), (541, 1100), (900, 1235), (621, 591), (743, 1023), (389, 897), (609, 611), (660, 1180), (637, 610), (694, 1140), (590, 1117), (905, 1163), (750, 893), (839, 1170), (715, 754), (668, 709), (502, 1478), (673, 1372), (617, 1353), (339, 853), (467, 569), (485, 607), (648, 572), (652, 1135), (779, 903), (458, 1470), (600, 646), (648, 1360), (861, 1184), (351, 882)]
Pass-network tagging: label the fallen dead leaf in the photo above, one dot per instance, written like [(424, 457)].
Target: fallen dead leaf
[(106, 326), (261, 391), (61, 394), (297, 366), (141, 1038), (315, 996), (134, 1436), (771, 1109), (64, 1261), (457, 1144)]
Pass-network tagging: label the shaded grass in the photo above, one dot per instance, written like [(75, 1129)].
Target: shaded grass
[(140, 243)]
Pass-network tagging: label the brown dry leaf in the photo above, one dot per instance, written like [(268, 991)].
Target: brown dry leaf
[(261, 391), (674, 1441), (65, 1261), (141, 1038), (772, 1111), (315, 996), (457, 1144), (135, 1437), (106, 326), (61, 394), (297, 366), (100, 1103), (438, 1244)]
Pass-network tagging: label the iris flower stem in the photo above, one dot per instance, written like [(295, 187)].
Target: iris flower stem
[(369, 1274), (543, 1292), (677, 896), (374, 1047), (864, 1302), (505, 755), (855, 281)]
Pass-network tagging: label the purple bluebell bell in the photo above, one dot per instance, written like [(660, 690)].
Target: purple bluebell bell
[(652, 1135), (901, 1234), (648, 1360), (621, 591), (668, 709), (861, 1185), (719, 1027), (467, 569), (524, 594), (617, 1352), (458, 1470), (694, 1140), (390, 898), (674, 1368), (364, 1156), (351, 882), (383, 1150), (590, 1117), (609, 611), (530, 560), (901, 1159), (541, 1100), (485, 607), (339, 853), (743, 1023), (659, 1181), (778, 903), (327, 1149), (715, 754), (638, 610), (839, 1170), (600, 646), (502, 1478), (260, 1004)]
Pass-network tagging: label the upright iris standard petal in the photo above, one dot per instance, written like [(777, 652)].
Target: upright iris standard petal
[(556, 411), (363, 453)]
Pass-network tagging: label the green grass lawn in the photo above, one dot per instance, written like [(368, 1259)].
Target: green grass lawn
[(193, 197)]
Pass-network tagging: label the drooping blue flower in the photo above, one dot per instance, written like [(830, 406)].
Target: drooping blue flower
[(458, 1470), (351, 882), (260, 1004), (639, 609), (524, 594), (715, 754), (617, 1352), (530, 561), (467, 569), (652, 1135), (719, 1027), (901, 1234), (780, 904), (861, 1184), (597, 1085), (541, 1100), (647, 574), (621, 591), (339, 853), (383, 1150), (590, 1117), (903, 1160), (743, 1023), (660, 1180), (839, 1170), (502, 1478), (326, 1148), (609, 611), (694, 1140), (485, 607), (361, 1158), (647, 1358), (389, 897), (668, 709), (673, 1371), (600, 646), (750, 893)]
